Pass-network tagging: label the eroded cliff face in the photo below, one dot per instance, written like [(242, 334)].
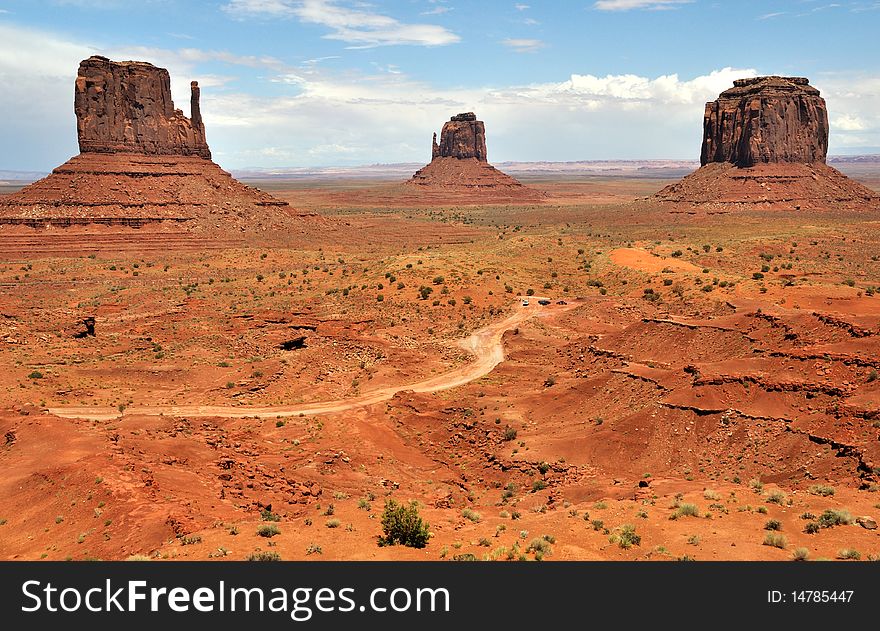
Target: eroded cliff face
[(142, 162), (126, 107), (463, 136), (766, 120)]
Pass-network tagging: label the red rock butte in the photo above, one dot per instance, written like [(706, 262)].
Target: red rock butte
[(459, 166), (765, 141), (141, 161)]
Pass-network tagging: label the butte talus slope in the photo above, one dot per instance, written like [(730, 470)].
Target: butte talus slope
[(459, 167), (141, 162), (764, 145)]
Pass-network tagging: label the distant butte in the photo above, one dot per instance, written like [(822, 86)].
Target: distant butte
[(459, 165), (141, 161), (765, 141)]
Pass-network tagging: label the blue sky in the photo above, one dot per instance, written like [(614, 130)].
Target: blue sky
[(335, 82)]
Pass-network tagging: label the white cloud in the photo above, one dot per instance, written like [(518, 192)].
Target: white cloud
[(521, 7), (315, 114), (849, 123), (361, 28), (523, 45), (438, 10), (628, 5)]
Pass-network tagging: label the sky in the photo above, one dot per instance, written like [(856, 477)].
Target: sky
[(298, 83)]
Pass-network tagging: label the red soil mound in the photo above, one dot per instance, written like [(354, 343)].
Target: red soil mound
[(454, 176), (722, 187), (134, 189)]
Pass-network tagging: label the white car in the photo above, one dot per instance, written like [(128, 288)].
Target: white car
[(525, 303)]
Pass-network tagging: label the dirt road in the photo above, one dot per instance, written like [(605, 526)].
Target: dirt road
[(485, 345)]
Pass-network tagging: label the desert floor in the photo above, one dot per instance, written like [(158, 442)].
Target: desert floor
[(709, 381)]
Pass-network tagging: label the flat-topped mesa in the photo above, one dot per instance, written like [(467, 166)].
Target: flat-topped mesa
[(766, 120), (462, 137), (126, 107)]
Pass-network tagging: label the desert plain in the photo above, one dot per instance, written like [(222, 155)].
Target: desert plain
[(699, 385)]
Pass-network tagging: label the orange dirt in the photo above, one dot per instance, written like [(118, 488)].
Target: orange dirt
[(728, 362)]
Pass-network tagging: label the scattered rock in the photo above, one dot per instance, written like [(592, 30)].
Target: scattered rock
[(868, 523)]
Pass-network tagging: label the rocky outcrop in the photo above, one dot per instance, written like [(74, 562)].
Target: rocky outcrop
[(766, 120), (143, 163), (459, 169), (463, 136), (764, 146), (126, 107)]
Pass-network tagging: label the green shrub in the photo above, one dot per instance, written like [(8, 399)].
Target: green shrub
[(831, 518), (773, 524), (820, 489), (686, 510), (402, 525), (267, 515), (627, 537), (268, 530), (264, 556), (849, 554), (541, 548), (466, 556), (775, 540), (778, 497), (471, 515)]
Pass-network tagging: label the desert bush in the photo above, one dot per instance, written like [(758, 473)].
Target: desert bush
[(832, 517), (540, 547), (800, 554), (471, 515), (268, 530), (267, 515), (773, 524), (627, 537), (403, 525), (778, 497), (849, 554), (686, 510), (775, 540), (264, 556), (820, 489)]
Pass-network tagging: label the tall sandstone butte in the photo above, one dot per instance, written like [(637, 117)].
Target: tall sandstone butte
[(462, 137), (764, 120), (460, 168), (141, 162), (765, 141), (126, 107)]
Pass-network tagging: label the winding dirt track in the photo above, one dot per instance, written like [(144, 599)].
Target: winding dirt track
[(485, 345)]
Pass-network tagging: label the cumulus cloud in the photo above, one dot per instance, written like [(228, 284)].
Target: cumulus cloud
[(359, 27)]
